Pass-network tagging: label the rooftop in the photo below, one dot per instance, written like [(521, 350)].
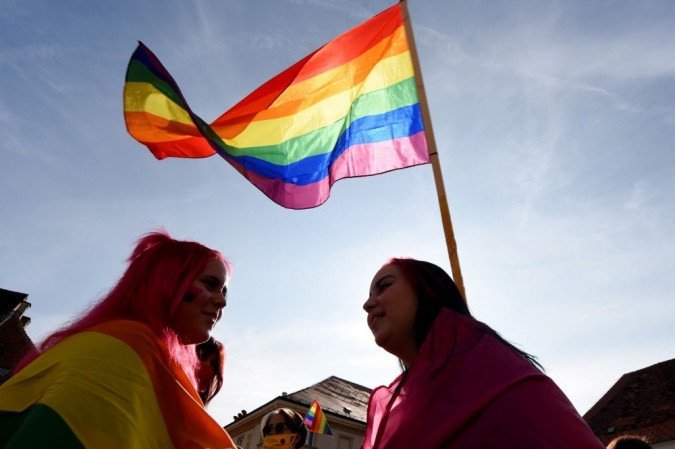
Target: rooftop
[(11, 301), (640, 402), (337, 396)]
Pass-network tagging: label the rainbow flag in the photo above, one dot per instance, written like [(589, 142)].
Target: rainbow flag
[(316, 421), (113, 386), (348, 109)]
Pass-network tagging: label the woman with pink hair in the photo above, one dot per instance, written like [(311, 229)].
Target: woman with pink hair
[(463, 385), (122, 374)]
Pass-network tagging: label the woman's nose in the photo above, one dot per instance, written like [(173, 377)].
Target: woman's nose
[(369, 304), (219, 300)]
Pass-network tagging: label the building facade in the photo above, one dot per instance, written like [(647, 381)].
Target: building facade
[(344, 403), (14, 341)]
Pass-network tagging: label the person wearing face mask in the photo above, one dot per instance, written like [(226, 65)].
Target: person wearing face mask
[(463, 386), (122, 373), (283, 428)]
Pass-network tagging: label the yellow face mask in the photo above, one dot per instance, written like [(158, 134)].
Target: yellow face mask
[(280, 441)]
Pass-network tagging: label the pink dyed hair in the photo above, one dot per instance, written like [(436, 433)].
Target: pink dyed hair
[(161, 271)]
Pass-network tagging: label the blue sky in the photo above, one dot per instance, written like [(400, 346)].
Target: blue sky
[(554, 122)]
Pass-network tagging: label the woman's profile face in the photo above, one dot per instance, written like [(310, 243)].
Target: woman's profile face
[(201, 309), (391, 308)]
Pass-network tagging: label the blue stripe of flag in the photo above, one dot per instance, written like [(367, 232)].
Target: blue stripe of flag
[(398, 123)]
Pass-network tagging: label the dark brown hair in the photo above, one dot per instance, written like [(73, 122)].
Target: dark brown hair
[(629, 442), (211, 354), (435, 289)]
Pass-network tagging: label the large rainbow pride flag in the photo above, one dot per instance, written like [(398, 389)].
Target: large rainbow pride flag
[(348, 109), (113, 386)]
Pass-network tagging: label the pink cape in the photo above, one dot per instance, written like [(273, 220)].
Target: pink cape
[(465, 390)]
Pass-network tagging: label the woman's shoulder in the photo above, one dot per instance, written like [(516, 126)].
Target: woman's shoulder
[(135, 334), (107, 334), (100, 344), (536, 409), (121, 326)]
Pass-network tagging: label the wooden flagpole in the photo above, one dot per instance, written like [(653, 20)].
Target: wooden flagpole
[(433, 157)]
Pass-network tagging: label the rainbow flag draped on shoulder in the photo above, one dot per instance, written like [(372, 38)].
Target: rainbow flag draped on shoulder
[(316, 421), (348, 109), (112, 386)]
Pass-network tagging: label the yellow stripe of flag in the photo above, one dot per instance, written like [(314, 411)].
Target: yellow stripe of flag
[(94, 405), (326, 112)]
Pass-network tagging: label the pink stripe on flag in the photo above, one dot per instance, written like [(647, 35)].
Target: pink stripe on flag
[(358, 160)]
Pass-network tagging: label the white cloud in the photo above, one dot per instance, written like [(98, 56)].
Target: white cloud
[(556, 62), (636, 198), (347, 8)]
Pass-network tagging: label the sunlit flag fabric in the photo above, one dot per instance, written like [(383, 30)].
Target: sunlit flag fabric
[(316, 421), (348, 109), (112, 386)]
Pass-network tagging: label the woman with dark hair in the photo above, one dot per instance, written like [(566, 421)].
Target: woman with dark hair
[(122, 374), (211, 355), (463, 385), (283, 428)]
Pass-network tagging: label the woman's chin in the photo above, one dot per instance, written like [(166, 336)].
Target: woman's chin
[(194, 339), (382, 342)]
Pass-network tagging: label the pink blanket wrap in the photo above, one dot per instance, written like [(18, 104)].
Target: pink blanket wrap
[(466, 390)]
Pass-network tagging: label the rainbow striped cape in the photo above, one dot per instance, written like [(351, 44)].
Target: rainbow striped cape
[(348, 109), (316, 421), (112, 386)]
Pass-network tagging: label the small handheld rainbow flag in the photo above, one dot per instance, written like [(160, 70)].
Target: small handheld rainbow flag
[(350, 108), (316, 421)]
